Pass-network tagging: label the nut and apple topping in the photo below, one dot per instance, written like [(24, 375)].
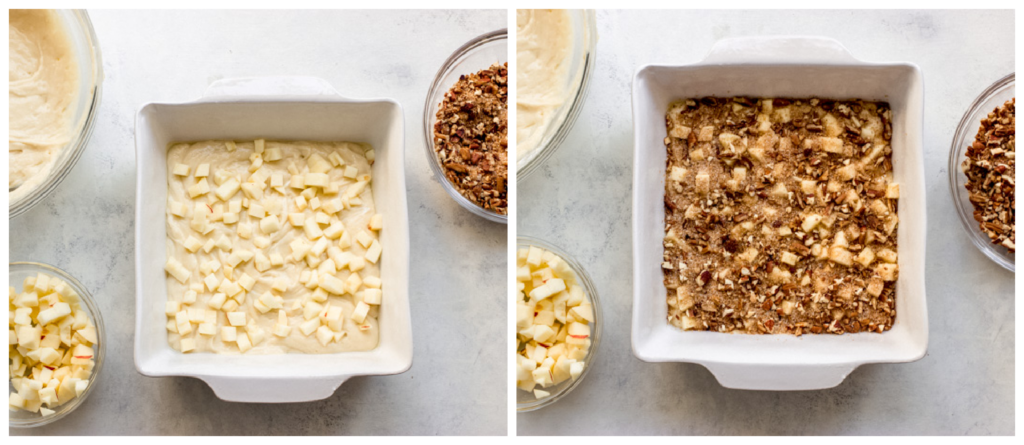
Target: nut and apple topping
[(553, 317), (990, 169), (471, 137), (780, 216), (272, 247), (52, 344)]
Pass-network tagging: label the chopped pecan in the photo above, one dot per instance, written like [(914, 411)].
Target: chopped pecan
[(471, 137), (989, 160)]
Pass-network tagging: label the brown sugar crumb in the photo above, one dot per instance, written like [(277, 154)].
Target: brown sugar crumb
[(780, 216), (471, 137), (990, 175)]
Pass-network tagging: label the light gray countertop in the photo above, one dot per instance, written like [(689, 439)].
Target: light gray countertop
[(457, 384), (581, 200)]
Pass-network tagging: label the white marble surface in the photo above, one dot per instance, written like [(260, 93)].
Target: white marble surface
[(580, 199), (458, 267)]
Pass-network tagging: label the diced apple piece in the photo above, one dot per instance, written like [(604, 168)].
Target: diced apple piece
[(372, 296), (360, 312), (373, 252), (270, 224), (313, 231), (810, 222), (887, 271), (54, 313), (244, 231), (376, 222), (324, 335), (576, 370), (192, 244), (548, 289), (840, 255), (372, 282), (243, 342), (309, 326), (866, 257), (317, 180), (887, 255), (236, 318), (177, 270), (228, 333), (892, 191)]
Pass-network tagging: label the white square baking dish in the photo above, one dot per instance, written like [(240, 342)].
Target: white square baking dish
[(777, 67), (283, 108)]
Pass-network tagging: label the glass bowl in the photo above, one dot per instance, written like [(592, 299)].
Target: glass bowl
[(90, 88), (17, 273), (582, 66), (993, 96), (477, 54), (525, 401)]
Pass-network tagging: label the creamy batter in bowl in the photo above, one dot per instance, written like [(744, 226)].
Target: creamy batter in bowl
[(555, 55), (55, 80)]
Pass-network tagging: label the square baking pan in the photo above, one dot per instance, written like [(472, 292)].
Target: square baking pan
[(800, 67), (280, 108)]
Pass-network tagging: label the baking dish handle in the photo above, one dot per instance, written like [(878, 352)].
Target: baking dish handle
[(780, 377), (777, 50), (269, 390), (263, 88)]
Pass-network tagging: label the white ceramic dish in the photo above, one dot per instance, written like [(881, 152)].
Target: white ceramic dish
[(777, 67), (284, 108)]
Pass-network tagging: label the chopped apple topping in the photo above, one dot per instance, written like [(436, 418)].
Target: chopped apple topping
[(52, 344), (553, 321), (287, 252)]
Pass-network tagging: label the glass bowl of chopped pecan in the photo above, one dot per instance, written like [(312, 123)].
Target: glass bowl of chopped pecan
[(45, 389), (465, 126), (981, 172)]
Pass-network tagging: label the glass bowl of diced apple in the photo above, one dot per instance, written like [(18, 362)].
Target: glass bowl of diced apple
[(558, 324), (57, 344)]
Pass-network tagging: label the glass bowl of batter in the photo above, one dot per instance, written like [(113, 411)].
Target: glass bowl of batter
[(56, 78), (555, 55)]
